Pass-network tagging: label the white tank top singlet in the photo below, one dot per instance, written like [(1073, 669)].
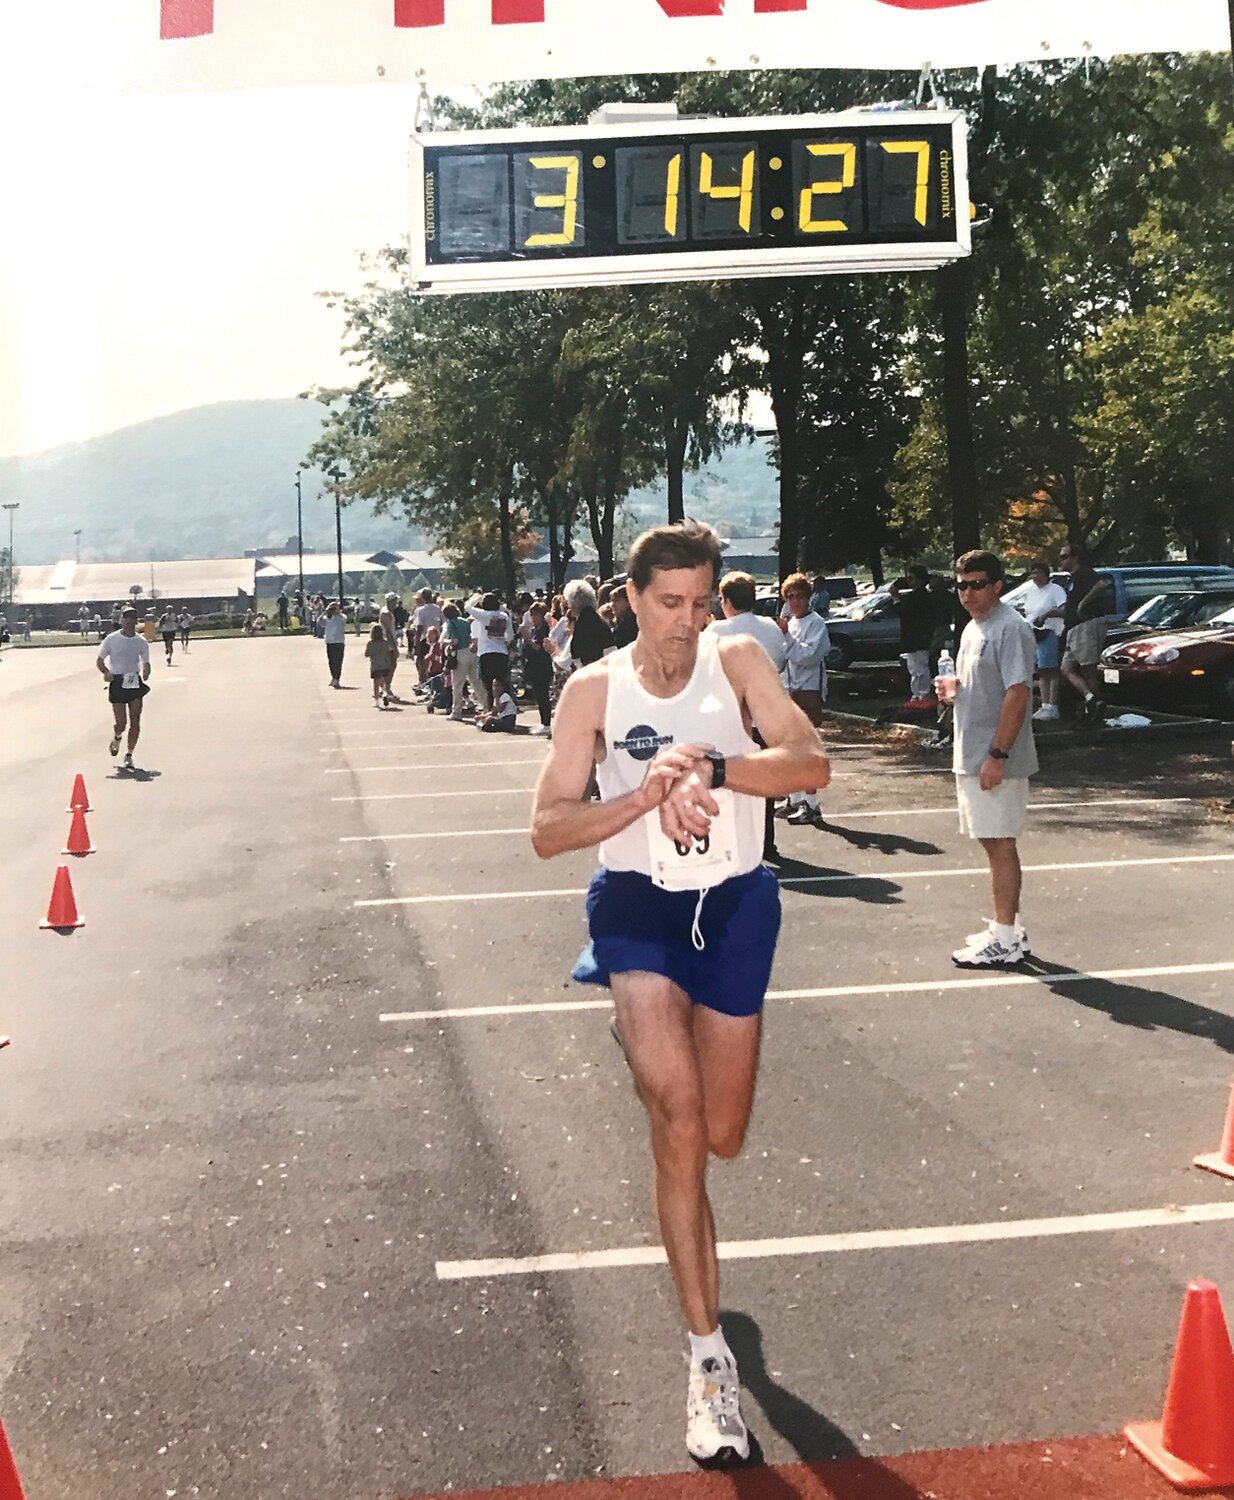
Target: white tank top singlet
[(637, 726)]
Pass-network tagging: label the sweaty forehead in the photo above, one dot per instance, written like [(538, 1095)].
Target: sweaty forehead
[(686, 581)]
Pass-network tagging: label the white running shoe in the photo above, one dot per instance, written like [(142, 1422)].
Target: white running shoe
[(715, 1433), (542, 731), (988, 953), (1047, 712), (987, 932), (114, 747)]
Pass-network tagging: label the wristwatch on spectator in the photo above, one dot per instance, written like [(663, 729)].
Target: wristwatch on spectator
[(997, 754)]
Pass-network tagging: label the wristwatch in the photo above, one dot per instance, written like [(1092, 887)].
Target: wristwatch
[(997, 754), (719, 768)]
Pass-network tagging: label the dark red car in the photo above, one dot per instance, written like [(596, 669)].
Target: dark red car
[(1176, 669)]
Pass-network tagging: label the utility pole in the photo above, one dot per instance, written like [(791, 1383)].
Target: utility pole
[(337, 476), (77, 533), (300, 521), (11, 506)]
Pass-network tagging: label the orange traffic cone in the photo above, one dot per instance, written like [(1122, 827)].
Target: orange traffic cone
[(79, 837), (1193, 1444), (62, 912), (10, 1485), (1221, 1160), (79, 797)]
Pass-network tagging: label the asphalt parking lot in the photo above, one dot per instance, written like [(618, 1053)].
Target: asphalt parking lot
[(321, 1178)]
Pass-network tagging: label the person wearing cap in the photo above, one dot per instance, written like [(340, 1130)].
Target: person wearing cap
[(389, 629), (124, 661)]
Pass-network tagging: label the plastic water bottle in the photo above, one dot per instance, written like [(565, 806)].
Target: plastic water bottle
[(947, 681)]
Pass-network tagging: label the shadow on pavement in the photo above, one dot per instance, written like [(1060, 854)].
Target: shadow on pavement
[(138, 773), (885, 843), (1131, 1005), (842, 883), (812, 1435)]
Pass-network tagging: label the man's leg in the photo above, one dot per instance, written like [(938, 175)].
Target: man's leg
[(657, 1029), (1004, 858), (727, 1048), (118, 714), (134, 724)]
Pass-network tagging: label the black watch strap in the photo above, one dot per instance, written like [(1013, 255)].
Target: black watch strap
[(719, 769), (997, 754)]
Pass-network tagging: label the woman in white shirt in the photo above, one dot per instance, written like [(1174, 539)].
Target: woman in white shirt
[(1040, 597)]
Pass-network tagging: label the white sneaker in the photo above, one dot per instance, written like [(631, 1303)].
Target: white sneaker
[(114, 746), (987, 932), (542, 731), (1047, 712), (715, 1433), (988, 953)]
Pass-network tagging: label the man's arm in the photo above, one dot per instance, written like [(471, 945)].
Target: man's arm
[(100, 661), (560, 819), (143, 650), (793, 761)]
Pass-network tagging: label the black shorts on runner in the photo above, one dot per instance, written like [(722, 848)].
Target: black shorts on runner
[(118, 693)]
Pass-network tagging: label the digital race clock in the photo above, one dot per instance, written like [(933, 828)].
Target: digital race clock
[(688, 200)]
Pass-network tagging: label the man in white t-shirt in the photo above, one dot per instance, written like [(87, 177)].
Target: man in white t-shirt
[(426, 615), (492, 634), (168, 624), (737, 595), (124, 661), (185, 622), (806, 644)]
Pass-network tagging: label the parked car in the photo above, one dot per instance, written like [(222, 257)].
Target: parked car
[(1175, 669), (1136, 584), (868, 631), (1172, 612)]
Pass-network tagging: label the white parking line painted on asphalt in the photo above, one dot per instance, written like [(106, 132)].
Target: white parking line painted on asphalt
[(833, 1244), (435, 765), (836, 879), (471, 791), (999, 981), (830, 814)]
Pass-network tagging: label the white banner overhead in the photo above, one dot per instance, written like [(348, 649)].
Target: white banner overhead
[(226, 44)]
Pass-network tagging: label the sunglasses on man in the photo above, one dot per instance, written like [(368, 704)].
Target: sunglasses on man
[(977, 584)]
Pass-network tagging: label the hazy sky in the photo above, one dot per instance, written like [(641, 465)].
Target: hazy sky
[(162, 251)]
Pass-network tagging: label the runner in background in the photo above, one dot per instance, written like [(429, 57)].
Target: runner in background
[(167, 628), (185, 623), (124, 661)]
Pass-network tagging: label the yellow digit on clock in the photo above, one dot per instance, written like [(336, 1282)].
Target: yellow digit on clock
[(921, 150), (744, 192), (806, 222), (567, 201)]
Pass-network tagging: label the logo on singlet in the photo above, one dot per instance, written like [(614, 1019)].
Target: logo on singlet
[(642, 742)]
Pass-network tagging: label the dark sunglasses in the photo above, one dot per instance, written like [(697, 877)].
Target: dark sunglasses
[(972, 583)]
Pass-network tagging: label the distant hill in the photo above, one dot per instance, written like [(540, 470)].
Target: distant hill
[(215, 480)]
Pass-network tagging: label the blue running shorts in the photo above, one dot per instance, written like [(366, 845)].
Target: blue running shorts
[(637, 925)]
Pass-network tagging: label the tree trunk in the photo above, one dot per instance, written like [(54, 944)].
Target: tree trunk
[(554, 543), (954, 283), (676, 435), (509, 572)]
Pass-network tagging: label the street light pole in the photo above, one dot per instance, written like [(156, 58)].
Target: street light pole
[(11, 506), (77, 535), (300, 531), (336, 475)]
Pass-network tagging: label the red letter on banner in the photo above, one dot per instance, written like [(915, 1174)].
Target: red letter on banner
[(770, 5), (929, 4), (691, 7), (185, 18), (433, 12)]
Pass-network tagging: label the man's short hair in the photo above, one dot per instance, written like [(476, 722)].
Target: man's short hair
[(491, 601), (1075, 550), (820, 582), (738, 589), (794, 581), (981, 562), (619, 594), (1039, 567), (919, 570), (688, 545), (391, 598)]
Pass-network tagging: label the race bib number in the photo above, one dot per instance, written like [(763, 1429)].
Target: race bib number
[(131, 680), (701, 863)]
